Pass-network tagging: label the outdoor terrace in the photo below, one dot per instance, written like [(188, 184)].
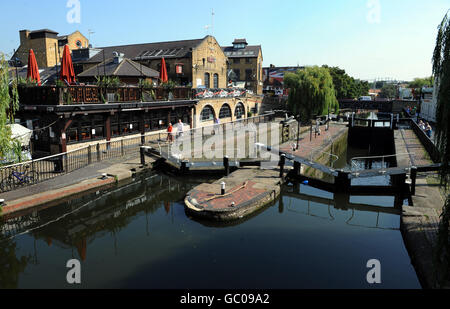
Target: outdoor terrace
[(76, 95)]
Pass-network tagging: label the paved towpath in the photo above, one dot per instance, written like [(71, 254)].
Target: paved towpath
[(68, 184)]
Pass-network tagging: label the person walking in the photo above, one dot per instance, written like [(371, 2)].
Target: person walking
[(216, 125), (180, 128), (169, 133)]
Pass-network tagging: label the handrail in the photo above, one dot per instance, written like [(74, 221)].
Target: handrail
[(382, 157)]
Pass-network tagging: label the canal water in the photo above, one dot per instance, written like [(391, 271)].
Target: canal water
[(138, 236)]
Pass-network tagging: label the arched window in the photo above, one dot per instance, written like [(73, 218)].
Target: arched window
[(239, 111), (207, 85), (216, 80), (225, 111), (207, 113)]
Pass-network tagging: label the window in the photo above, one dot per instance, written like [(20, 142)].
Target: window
[(207, 113), (207, 85), (225, 111), (216, 80), (248, 74), (248, 60), (239, 111), (238, 74), (236, 60)]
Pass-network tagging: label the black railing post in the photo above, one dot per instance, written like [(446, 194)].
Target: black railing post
[(98, 152), (122, 151), (89, 155), (66, 162), (142, 155), (226, 164), (413, 180), (297, 169)]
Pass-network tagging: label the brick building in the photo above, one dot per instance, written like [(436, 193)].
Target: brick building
[(47, 46), (194, 63), (246, 62)]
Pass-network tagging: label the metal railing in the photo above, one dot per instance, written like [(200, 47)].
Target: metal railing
[(197, 136), (377, 158), (35, 171)]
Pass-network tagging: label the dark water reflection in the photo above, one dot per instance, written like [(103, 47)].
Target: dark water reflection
[(140, 237)]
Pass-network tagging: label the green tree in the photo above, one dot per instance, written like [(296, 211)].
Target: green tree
[(441, 74), (389, 91), (347, 87), (9, 103), (311, 92), (419, 83)]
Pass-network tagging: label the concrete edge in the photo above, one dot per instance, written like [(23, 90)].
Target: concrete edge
[(51, 196), (236, 213)]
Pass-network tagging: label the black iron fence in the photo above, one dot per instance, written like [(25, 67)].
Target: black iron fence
[(35, 171)]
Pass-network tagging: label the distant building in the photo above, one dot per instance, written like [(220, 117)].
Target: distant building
[(246, 63), (47, 46), (196, 63), (273, 78), (405, 93), (128, 71), (428, 103)]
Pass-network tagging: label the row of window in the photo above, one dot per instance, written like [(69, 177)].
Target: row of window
[(207, 113), (94, 126), (238, 60), (248, 74), (215, 80)]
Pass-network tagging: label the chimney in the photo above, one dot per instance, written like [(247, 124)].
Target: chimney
[(24, 36), (118, 57)]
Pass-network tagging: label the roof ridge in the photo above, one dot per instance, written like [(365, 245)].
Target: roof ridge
[(132, 63), (96, 66), (150, 43)]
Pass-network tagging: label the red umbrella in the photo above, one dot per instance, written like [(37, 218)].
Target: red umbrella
[(33, 71), (67, 73), (163, 74)]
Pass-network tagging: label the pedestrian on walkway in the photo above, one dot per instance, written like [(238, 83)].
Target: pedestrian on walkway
[(169, 133), (422, 125), (216, 125), (428, 130), (318, 126), (180, 128)]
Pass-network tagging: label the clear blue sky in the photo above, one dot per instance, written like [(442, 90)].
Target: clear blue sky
[(395, 41)]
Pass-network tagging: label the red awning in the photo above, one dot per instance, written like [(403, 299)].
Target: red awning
[(67, 74), (163, 73), (33, 70)]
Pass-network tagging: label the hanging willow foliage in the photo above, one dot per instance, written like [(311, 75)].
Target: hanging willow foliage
[(9, 104), (441, 73), (311, 92)]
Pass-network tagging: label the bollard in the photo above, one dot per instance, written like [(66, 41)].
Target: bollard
[(142, 156), (282, 163), (226, 164), (222, 188), (121, 148), (413, 180)]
